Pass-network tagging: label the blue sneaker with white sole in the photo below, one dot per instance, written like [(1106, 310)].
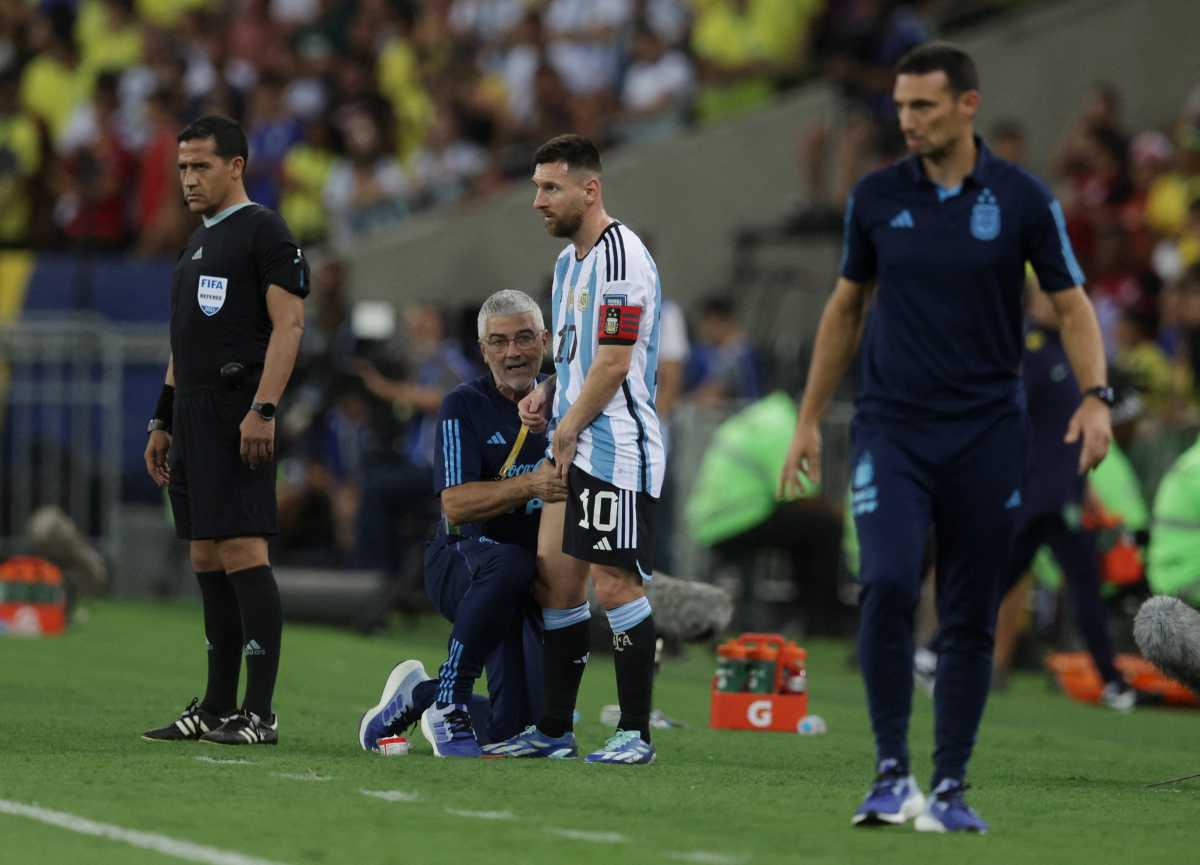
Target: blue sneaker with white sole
[(395, 712), (448, 729), (893, 799), (948, 811), (625, 748), (532, 742)]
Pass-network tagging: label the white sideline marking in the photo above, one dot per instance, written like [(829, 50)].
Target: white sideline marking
[(301, 776), (594, 837), (391, 795), (145, 840), (483, 815), (223, 762), (707, 857)]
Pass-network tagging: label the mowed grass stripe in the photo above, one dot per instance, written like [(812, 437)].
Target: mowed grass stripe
[(1059, 782)]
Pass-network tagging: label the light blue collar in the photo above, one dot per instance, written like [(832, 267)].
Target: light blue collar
[(945, 194), (210, 221)]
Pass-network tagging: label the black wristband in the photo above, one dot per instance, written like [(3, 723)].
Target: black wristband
[(165, 410)]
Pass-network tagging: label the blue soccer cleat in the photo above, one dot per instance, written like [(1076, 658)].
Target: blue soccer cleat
[(947, 811), (894, 799), (624, 747), (532, 742), (395, 711), (448, 729)]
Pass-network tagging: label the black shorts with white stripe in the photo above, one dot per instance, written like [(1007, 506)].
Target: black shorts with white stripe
[(608, 525)]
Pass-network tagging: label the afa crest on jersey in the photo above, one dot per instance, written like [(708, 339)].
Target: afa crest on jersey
[(985, 217)]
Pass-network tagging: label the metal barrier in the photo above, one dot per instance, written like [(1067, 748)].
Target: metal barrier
[(61, 421)]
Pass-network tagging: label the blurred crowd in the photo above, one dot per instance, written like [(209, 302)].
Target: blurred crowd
[(360, 113), (1132, 204)]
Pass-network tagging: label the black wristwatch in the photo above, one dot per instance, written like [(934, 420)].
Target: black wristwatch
[(266, 410), (1104, 393), (157, 423)]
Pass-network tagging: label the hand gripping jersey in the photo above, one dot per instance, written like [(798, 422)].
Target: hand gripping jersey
[(612, 296)]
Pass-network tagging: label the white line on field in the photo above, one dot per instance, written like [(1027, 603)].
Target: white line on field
[(301, 776), (583, 835), (145, 840), (707, 857), (483, 815), (391, 795), (222, 762)]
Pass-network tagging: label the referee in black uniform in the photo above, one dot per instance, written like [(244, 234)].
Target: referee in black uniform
[(237, 314)]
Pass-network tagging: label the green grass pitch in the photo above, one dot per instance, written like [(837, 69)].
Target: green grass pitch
[(1059, 782)]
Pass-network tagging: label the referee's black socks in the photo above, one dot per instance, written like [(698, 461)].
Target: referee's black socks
[(223, 632), (262, 628), (634, 639)]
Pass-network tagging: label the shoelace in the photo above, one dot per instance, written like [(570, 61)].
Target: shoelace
[(884, 782), (458, 723), (621, 739), (954, 796), (193, 708)]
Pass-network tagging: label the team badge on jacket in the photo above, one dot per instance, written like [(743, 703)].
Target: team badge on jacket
[(210, 294), (985, 217)]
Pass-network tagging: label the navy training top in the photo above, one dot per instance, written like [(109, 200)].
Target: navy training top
[(943, 338), (476, 431), (1053, 481)]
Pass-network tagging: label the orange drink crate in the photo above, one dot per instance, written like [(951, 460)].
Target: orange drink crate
[(779, 665)]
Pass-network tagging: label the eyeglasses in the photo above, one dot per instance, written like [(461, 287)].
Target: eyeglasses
[(526, 339)]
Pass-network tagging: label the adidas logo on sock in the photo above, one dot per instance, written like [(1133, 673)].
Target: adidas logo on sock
[(903, 219), (602, 544), (253, 648), (497, 439), (199, 253)]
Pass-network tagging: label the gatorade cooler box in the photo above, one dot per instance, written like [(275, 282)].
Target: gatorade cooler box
[(761, 684), (32, 598)]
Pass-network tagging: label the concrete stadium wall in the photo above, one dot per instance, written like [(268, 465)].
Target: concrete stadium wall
[(690, 194)]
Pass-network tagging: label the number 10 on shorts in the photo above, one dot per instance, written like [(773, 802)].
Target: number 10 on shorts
[(604, 511)]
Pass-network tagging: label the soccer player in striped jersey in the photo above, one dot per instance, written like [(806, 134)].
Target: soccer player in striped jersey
[(607, 444)]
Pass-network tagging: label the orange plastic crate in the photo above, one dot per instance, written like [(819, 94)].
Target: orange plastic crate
[(744, 710)]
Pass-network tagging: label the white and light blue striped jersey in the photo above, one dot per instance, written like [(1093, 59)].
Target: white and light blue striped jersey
[(613, 295)]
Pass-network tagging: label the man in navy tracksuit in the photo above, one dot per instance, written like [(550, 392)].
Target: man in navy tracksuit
[(939, 241), (492, 477)]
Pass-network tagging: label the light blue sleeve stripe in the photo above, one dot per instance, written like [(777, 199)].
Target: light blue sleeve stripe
[(457, 454), (1064, 239), (445, 453)]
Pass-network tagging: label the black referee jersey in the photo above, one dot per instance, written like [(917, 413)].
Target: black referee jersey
[(219, 293)]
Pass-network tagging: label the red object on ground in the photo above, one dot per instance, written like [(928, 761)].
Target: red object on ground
[(33, 601)]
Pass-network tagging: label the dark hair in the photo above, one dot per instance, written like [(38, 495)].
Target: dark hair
[(941, 57), (228, 135), (575, 150)]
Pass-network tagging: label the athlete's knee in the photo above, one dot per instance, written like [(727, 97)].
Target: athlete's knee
[(204, 557), (237, 554), (615, 587)]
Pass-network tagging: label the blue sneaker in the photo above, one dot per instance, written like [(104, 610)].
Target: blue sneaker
[(625, 747), (448, 729), (894, 799), (532, 742), (395, 711), (947, 811)]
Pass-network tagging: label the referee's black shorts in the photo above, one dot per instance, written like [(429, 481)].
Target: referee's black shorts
[(213, 493)]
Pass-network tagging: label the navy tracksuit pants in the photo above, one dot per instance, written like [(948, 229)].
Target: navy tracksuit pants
[(484, 588), (961, 480)]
